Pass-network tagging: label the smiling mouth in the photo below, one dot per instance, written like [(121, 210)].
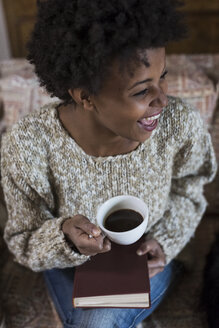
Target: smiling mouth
[(150, 121)]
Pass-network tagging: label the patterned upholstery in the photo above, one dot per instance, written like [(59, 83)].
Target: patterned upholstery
[(20, 91), (188, 81)]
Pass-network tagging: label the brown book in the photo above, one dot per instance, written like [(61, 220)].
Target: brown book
[(118, 278)]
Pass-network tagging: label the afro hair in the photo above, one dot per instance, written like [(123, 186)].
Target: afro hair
[(74, 41)]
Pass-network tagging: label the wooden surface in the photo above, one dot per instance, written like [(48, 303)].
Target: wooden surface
[(201, 5), (203, 35), (20, 17), (202, 16)]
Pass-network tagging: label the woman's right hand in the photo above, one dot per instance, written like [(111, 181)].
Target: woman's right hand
[(85, 236)]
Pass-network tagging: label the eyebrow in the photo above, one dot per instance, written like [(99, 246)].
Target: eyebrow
[(140, 82), (145, 81)]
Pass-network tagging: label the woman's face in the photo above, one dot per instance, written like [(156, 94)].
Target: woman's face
[(129, 105)]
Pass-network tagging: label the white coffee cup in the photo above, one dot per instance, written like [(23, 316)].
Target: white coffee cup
[(118, 203)]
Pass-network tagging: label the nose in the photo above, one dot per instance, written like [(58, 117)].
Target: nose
[(160, 100)]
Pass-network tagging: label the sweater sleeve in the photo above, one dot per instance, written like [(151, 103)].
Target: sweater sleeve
[(33, 233), (194, 165)]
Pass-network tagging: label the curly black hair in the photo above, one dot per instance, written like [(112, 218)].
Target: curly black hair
[(74, 41)]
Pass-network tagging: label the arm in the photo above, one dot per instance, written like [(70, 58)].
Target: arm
[(34, 234), (194, 166)]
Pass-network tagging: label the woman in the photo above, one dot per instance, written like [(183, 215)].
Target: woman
[(114, 132)]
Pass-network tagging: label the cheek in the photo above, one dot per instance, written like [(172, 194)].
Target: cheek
[(164, 86), (113, 113)]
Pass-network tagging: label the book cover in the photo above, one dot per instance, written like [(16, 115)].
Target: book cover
[(118, 278)]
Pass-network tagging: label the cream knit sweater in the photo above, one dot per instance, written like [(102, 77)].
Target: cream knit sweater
[(47, 178)]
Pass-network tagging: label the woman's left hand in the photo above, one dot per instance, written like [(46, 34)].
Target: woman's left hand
[(156, 256)]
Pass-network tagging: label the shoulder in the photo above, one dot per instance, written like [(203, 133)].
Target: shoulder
[(32, 128), (180, 121), (27, 141), (35, 123)]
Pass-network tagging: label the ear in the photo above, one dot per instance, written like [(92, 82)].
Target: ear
[(82, 98)]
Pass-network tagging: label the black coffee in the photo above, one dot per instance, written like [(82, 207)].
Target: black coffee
[(123, 220)]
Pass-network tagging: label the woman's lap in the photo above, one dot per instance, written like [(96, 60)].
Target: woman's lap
[(60, 286)]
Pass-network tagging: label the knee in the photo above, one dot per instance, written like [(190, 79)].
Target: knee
[(90, 319)]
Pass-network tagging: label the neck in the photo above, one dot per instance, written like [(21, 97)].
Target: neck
[(90, 135)]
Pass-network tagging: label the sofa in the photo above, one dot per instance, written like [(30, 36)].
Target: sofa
[(24, 301)]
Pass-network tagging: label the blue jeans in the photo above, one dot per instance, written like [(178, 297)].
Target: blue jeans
[(60, 285)]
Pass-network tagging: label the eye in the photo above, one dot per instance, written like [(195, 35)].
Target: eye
[(141, 93), (164, 75)]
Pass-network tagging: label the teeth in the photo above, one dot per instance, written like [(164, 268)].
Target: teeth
[(150, 119)]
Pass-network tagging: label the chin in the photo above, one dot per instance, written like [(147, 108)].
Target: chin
[(145, 137)]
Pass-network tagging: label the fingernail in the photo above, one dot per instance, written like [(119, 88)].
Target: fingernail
[(139, 252), (96, 231)]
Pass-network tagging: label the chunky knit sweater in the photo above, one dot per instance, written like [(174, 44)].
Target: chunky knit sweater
[(48, 178)]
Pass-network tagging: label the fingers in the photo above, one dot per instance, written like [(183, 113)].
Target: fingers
[(91, 241), (156, 262), (154, 271), (156, 256), (149, 246), (82, 223), (85, 236), (152, 248), (92, 246), (143, 249), (106, 245)]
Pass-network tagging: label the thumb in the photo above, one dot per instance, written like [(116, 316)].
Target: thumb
[(86, 226), (144, 249)]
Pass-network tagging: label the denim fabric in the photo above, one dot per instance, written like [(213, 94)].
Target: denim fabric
[(60, 286)]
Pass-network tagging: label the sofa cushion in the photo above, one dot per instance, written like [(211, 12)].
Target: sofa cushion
[(208, 63), (20, 67), (187, 80), (20, 97), (20, 91)]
